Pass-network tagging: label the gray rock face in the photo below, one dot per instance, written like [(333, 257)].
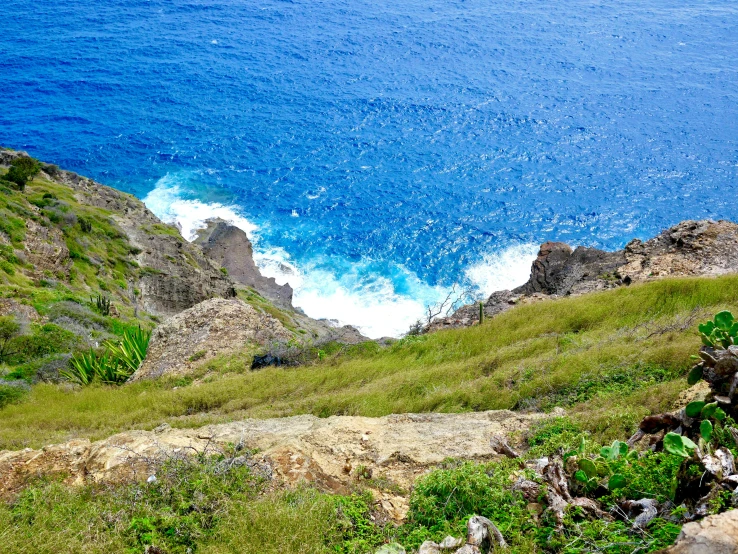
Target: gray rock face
[(716, 534), (558, 270), (176, 274), (229, 246)]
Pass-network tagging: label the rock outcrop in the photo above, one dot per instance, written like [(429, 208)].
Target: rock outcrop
[(175, 274), (216, 326), (691, 248), (717, 534), (329, 452), (229, 246)]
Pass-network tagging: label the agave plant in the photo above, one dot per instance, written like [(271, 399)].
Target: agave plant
[(113, 367), (82, 368), (130, 351)]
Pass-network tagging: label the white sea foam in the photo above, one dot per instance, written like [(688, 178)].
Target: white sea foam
[(346, 294), (503, 270), (190, 215), (368, 302)]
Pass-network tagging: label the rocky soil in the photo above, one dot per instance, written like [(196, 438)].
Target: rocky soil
[(691, 248)]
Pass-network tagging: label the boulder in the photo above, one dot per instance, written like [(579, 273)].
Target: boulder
[(216, 326), (691, 248), (717, 534)]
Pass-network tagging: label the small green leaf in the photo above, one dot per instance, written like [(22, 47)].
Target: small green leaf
[(695, 374), (678, 445), (606, 452), (694, 409), (588, 466), (622, 446), (719, 414), (724, 320), (581, 476), (709, 409), (706, 328), (582, 445), (706, 429), (617, 481)]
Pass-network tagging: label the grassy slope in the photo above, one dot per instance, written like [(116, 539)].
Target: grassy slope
[(610, 357)]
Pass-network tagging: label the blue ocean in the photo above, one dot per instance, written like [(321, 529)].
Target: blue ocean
[(379, 153)]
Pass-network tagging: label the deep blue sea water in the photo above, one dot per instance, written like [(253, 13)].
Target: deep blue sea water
[(379, 152)]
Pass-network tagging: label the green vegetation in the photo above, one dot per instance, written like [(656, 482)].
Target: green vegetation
[(224, 504), (610, 358), (22, 170), (115, 365)]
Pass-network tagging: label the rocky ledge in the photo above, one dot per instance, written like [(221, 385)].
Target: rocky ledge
[(691, 248), (329, 452)]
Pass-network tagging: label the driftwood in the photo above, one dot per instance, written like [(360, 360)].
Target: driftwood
[(500, 445), (482, 531)]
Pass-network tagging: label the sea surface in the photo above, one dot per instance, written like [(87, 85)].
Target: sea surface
[(380, 152)]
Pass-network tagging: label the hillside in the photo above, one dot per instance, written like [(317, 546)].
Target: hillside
[(180, 467)]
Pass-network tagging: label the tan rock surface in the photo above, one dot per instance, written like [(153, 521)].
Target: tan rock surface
[(213, 327), (716, 534), (318, 450)]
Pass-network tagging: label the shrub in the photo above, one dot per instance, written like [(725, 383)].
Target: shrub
[(84, 224), (22, 170), (10, 394), (9, 330)]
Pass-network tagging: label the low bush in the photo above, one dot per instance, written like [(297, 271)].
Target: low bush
[(22, 170)]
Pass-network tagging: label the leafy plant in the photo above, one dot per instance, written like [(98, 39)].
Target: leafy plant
[(721, 332), (679, 445), (592, 473)]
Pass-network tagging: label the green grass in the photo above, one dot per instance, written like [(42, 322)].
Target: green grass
[(610, 358), (213, 506)]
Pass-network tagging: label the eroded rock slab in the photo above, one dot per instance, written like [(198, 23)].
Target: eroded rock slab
[(324, 451)]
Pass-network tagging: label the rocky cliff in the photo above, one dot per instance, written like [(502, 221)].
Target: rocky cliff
[(231, 248), (691, 248), (172, 274)]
